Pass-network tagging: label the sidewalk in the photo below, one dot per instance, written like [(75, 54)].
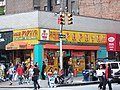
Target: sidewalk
[(44, 83)]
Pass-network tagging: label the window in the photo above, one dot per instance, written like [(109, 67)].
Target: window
[(36, 8), (45, 8), (57, 2), (114, 66), (73, 7)]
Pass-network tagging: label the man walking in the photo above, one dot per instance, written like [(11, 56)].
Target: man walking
[(43, 71), (20, 73), (36, 72), (107, 78)]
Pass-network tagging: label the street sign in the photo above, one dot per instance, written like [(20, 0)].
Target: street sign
[(61, 36)]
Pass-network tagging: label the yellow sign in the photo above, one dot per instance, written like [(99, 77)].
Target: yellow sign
[(84, 37), (26, 34)]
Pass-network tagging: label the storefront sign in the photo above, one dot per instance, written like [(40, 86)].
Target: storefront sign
[(44, 34), (83, 37), (113, 42), (27, 34)]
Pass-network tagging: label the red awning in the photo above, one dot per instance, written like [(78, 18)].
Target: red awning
[(71, 47)]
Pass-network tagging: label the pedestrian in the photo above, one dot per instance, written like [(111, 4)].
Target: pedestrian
[(31, 73), (100, 76), (35, 77), (37, 64), (108, 77), (10, 73), (20, 74), (50, 74), (43, 71)]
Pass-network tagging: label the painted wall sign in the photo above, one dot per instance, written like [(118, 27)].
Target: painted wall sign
[(44, 34)]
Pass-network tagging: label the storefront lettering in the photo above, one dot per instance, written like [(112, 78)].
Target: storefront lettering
[(93, 38), (73, 36), (86, 37), (29, 33), (98, 38), (67, 35), (104, 38), (80, 37), (25, 35), (54, 36)]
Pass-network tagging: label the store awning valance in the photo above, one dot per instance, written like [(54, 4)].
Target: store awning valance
[(18, 45), (71, 47)]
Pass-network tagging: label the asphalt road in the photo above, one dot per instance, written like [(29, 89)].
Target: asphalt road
[(115, 86)]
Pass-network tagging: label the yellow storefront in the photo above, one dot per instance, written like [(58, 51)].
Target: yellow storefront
[(23, 43), (82, 56)]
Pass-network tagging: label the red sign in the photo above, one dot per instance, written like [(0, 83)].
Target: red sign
[(113, 42)]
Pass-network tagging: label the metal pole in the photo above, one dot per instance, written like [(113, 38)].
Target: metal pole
[(61, 57)]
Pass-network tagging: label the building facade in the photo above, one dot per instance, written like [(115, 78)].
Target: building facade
[(43, 5), (106, 9), (85, 40)]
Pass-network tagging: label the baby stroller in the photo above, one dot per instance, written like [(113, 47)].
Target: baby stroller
[(61, 77), (69, 78)]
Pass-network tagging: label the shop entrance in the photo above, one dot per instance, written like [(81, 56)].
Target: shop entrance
[(22, 56), (89, 59)]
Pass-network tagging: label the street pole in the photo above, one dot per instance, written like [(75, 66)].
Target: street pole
[(61, 56)]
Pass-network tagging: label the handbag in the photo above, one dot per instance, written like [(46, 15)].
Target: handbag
[(34, 78)]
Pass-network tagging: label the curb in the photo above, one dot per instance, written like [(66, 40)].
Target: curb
[(58, 85), (78, 84)]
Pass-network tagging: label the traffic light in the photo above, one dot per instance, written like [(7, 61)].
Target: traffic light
[(62, 19), (70, 19)]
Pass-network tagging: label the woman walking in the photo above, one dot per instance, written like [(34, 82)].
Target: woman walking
[(10, 73)]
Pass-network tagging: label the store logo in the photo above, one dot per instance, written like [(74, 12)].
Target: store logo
[(44, 34), (111, 39)]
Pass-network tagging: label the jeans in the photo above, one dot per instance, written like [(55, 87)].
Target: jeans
[(106, 81), (101, 82), (20, 79), (36, 83)]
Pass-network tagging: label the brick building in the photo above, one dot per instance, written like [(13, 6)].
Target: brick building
[(108, 9)]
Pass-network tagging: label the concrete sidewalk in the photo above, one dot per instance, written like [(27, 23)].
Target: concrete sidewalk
[(44, 83)]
